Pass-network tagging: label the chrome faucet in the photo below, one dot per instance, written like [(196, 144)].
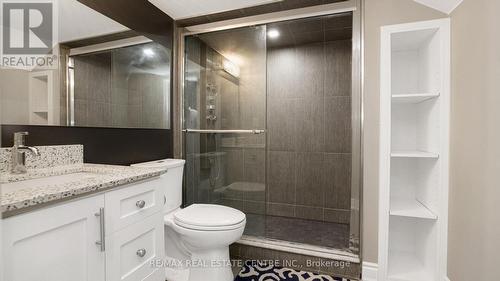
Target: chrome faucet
[(18, 160)]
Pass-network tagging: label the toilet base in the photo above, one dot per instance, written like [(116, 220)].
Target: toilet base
[(211, 265)]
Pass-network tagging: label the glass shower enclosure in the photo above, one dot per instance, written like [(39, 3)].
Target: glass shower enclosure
[(268, 128)]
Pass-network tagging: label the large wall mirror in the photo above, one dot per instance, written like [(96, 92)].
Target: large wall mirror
[(106, 77)]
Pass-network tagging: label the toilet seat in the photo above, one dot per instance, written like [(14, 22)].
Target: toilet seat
[(206, 217)]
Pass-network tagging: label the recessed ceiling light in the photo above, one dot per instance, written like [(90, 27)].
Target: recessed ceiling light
[(273, 33), (148, 52)]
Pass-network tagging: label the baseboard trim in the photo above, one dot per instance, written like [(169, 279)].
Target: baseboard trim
[(369, 271)]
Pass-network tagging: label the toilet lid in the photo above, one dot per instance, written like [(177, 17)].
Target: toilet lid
[(208, 216)]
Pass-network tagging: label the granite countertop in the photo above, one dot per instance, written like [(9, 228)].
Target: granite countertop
[(88, 179)]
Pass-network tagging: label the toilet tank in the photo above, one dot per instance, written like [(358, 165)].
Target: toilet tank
[(171, 180)]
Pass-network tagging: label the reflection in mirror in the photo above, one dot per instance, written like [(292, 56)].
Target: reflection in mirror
[(126, 87), (104, 75)]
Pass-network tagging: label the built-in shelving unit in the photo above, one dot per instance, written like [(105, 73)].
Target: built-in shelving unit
[(41, 98), (414, 144)]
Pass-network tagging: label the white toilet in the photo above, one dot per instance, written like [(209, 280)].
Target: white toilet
[(197, 238)]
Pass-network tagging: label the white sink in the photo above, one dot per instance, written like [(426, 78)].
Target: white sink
[(46, 181)]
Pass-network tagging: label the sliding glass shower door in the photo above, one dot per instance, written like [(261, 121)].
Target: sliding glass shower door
[(272, 127), (225, 121)]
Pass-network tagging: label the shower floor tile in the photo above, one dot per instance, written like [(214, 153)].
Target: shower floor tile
[(317, 233)]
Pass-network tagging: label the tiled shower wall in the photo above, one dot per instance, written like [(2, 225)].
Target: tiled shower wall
[(109, 93), (309, 131)]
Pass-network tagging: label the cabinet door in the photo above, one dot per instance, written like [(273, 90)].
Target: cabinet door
[(55, 244), (130, 252)]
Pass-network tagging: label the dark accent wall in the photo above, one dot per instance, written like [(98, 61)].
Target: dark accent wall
[(112, 146), (101, 39), (139, 15)]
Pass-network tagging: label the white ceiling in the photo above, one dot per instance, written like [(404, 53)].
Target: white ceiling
[(179, 9), (77, 21), (445, 6)]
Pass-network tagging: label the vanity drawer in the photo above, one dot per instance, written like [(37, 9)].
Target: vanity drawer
[(132, 204), (130, 251)]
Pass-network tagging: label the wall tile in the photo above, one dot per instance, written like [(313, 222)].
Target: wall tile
[(281, 124), (337, 216), (254, 207), (338, 60), (81, 112), (281, 177), (237, 204), (311, 71), (234, 165), (98, 114), (280, 210), (310, 178), (119, 115), (254, 161), (310, 125), (338, 184), (309, 213), (134, 114), (282, 72), (338, 125)]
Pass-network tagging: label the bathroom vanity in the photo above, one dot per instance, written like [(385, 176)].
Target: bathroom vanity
[(66, 220)]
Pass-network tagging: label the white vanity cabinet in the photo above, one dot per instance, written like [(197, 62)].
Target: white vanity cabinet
[(65, 241), (55, 244)]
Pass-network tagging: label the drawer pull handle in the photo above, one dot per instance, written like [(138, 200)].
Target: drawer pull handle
[(140, 204), (141, 252)]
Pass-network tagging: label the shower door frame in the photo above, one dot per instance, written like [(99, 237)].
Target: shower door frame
[(354, 6)]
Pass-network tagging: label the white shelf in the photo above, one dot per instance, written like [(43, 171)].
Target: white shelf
[(406, 267), (413, 98), (414, 154), (410, 208)]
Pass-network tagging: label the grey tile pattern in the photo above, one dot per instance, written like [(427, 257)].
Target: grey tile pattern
[(107, 176), (310, 179), (309, 213), (338, 132), (281, 124), (309, 124), (338, 185), (282, 210), (281, 177), (337, 215), (338, 68)]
